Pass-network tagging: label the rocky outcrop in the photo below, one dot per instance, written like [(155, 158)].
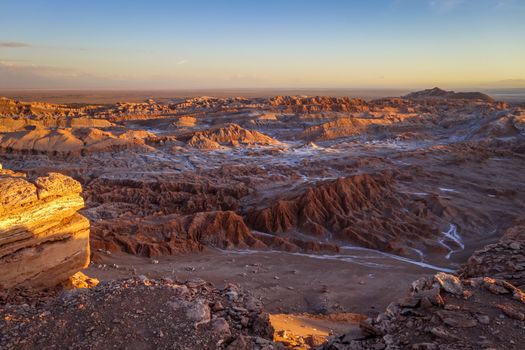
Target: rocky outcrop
[(14, 108), (361, 209), (481, 307), (161, 196), (437, 93), (163, 217), (43, 240), (506, 125), (172, 234), (71, 142), (341, 128), (229, 135), (445, 312), (141, 313), (185, 122), (160, 216), (504, 259), (302, 104)]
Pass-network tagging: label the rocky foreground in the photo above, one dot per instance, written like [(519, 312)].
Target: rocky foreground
[(137, 313), (483, 308)]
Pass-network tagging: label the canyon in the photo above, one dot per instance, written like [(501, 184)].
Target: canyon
[(315, 210)]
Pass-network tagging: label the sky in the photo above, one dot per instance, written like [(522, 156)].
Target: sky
[(171, 44)]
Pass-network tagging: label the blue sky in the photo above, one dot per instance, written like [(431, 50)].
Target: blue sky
[(287, 43)]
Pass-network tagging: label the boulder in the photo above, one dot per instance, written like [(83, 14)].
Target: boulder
[(43, 240)]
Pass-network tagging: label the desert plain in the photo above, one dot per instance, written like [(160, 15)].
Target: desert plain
[(324, 208)]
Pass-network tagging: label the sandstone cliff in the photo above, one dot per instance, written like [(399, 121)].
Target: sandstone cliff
[(43, 240)]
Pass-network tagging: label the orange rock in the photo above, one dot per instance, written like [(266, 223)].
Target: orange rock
[(43, 240)]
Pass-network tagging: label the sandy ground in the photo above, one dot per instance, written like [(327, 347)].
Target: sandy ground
[(285, 282), (294, 329), (308, 297)]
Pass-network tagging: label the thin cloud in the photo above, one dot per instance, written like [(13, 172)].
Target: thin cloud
[(24, 67), (444, 6), (14, 44), (20, 75), (181, 62), (21, 45)]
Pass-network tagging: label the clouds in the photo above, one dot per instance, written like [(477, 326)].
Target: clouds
[(22, 45), (181, 62), (14, 44)]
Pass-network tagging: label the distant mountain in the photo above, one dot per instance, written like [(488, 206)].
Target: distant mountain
[(443, 94)]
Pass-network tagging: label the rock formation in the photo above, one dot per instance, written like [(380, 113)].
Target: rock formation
[(185, 121), (67, 142), (430, 177), (43, 240), (341, 128), (503, 260), (445, 312), (302, 104), (437, 93), (363, 209), (506, 125), (171, 234), (159, 216), (229, 135), (40, 110)]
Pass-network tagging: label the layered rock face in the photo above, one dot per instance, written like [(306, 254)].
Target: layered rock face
[(43, 240)]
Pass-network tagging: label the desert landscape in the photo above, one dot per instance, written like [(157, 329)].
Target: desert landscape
[(262, 175), (281, 222)]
